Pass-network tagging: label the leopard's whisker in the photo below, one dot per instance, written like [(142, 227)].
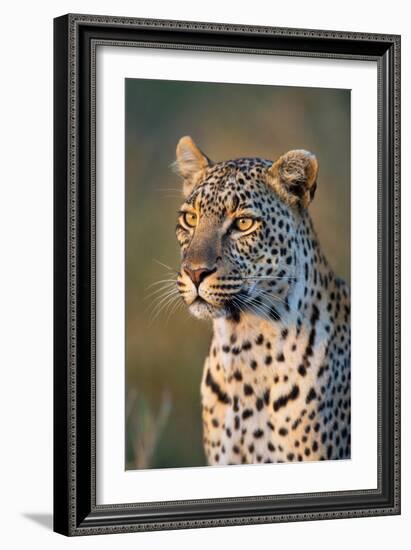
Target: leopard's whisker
[(275, 297), (238, 303), (162, 305), (166, 291), (279, 269), (173, 270), (174, 308), (163, 288), (167, 286), (157, 300), (160, 190), (257, 306), (167, 309), (159, 282), (156, 303), (263, 278)]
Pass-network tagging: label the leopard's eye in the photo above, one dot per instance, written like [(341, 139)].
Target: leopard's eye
[(244, 224), (190, 219)]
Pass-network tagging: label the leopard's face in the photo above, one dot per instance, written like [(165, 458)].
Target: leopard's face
[(237, 240), (237, 230)]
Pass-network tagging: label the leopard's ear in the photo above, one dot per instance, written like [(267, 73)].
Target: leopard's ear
[(294, 177), (190, 163)]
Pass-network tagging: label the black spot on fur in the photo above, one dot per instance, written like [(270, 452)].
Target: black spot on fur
[(284, 399), (311, 395), (247, 413), (215, 388), (302, 370), (258, 433)]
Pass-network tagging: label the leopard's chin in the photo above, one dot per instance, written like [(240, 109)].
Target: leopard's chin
[(204, 310), (201, 309)]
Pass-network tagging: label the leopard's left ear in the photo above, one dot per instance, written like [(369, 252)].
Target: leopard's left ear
[(294, 177), (190, 163)]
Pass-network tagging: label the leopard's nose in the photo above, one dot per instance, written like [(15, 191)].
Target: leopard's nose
[(198, 274)]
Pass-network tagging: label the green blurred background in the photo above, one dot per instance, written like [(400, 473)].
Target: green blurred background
[(164, 358)]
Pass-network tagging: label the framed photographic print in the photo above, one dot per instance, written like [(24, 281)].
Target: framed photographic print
[(227, 281)]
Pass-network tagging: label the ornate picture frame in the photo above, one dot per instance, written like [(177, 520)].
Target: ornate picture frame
[(76, 40)]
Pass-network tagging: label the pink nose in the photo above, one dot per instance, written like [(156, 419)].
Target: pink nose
[(199, 274)]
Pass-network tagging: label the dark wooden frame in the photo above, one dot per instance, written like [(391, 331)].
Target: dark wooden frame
[(76, 38)]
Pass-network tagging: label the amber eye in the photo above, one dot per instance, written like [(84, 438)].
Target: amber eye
[(190, 219), (243, 224)]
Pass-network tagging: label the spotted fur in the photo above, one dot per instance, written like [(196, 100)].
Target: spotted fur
[(276, 382)]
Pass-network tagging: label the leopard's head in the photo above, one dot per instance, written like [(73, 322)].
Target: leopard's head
[(237, 230)]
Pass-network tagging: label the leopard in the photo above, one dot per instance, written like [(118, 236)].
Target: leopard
[(277, 379)]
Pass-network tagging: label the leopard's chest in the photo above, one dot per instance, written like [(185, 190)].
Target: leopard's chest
[(258, 404)]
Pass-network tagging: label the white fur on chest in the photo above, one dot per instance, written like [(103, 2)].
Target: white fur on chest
[(256, 365)]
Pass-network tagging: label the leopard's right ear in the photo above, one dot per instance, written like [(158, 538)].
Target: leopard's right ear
[(190, 163)]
